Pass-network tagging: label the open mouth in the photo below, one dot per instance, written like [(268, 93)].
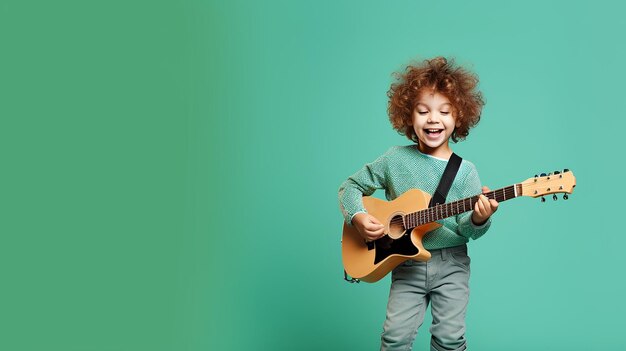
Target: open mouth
[(433, 131)]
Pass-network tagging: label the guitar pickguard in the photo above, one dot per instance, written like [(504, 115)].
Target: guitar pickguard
[(387, 246)]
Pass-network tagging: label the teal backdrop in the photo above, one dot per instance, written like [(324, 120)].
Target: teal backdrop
[(170, 170)]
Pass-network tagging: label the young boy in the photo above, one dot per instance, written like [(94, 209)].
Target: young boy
[(431, 103)]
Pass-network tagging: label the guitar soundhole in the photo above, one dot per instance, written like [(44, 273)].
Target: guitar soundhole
[(396, 227)]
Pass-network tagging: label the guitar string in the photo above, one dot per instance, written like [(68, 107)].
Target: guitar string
[(503, 191), (422, 214), (427, 213)]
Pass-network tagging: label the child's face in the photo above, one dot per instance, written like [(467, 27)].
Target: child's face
[(433, 123)]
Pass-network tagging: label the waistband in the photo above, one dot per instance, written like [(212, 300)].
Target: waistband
[(443, 253), (458, 248)]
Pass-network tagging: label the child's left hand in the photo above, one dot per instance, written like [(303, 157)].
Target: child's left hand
[(484, 208)]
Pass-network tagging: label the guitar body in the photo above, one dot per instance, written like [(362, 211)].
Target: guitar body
[(370, 262)]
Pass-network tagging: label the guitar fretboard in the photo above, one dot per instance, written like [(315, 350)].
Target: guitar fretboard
[(450, 209)]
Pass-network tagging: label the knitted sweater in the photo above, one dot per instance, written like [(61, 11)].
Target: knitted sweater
[(404, 167)]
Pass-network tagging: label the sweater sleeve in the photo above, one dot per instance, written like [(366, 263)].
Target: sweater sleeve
[(362, 183), (471, 187)]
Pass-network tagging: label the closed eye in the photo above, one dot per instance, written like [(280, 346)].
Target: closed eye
[(445, 113), (421, 113)]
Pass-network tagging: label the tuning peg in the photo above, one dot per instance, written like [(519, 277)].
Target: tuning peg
[(554, 197), (565, 197), (543, 174), (543, 199), (557, 172), (566, 170)]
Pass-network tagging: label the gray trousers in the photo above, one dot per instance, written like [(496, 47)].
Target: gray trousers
[(442, 281)]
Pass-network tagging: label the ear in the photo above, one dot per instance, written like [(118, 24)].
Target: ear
[(457, 124)]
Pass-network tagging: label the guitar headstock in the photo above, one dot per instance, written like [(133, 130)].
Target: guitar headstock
[(553, 183)]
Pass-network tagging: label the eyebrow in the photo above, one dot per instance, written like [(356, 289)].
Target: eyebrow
[(440, 106)]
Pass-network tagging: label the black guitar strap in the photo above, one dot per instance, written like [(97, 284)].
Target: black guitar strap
[(439, 197)]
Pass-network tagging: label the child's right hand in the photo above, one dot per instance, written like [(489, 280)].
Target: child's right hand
[(368, 226)]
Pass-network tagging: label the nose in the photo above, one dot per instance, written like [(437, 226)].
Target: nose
[(432, 118)]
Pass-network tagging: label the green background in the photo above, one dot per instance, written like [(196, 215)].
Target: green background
[(170, 169)]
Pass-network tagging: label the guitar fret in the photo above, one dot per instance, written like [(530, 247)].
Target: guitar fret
[(442, 211)]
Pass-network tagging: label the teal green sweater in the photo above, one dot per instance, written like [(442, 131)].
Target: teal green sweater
[(402, 168)]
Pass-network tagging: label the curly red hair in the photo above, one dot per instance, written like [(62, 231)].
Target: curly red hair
[(443, 77)]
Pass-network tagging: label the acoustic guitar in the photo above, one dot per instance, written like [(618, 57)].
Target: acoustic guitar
[(407, 219)]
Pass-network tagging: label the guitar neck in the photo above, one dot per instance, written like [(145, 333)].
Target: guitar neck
[(450, 209)]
